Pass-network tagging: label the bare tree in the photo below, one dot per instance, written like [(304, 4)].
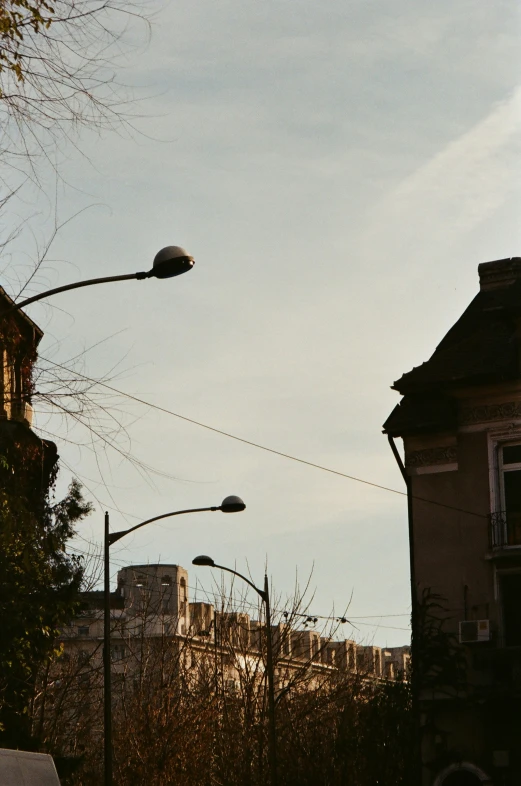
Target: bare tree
[(191, 709), (58, 63)]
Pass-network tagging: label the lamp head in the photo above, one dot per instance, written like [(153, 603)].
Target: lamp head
[(203, 560), (232, 504), (171, 261)]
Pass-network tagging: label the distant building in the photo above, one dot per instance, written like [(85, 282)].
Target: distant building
[(460, 421), (396, 662), (162, 644), (152, 601), (156, 590)]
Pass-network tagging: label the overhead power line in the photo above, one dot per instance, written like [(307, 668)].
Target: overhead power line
[(227, 433), (265, 448), (307, 616)]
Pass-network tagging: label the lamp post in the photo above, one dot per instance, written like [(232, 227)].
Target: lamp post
[(264, 594), (169, 262), (230, 504)]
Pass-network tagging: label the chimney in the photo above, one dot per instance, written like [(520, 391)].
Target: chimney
[(501, 273)]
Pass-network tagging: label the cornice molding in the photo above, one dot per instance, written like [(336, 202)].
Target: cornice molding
[(486, 413), (428, 457)]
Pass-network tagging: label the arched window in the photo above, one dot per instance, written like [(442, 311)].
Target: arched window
[(464, 774)]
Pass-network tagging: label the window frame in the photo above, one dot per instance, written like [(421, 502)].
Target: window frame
[(497, 440)]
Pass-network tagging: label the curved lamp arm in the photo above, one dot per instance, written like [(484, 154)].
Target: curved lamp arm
[(239, 575), (87, 283), (114, 536)]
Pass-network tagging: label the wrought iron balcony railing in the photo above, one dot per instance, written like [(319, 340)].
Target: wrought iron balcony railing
[(505, 529)]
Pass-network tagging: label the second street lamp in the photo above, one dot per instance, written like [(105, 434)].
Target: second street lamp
[(230, 504), (264, 594)]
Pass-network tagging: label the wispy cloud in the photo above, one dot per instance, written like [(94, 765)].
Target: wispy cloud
[(462, 185)]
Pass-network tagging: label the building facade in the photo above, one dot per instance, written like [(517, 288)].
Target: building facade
[(151, 602), (460, 421), (27, 461)]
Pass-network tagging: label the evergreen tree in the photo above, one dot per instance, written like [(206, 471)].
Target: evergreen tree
[(39, 581)]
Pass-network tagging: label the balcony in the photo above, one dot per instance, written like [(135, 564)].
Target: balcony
[(505, 533)]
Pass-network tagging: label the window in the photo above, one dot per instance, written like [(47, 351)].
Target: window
[(166, 581), (510, 595), (183, 596), (118, 651), (508, 531), (315, 647), (83, 630)]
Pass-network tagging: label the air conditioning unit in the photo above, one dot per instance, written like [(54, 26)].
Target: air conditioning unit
[(471, 631)]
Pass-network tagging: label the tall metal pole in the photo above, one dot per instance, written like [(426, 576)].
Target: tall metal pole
[(107, 687), (230, 504), (272, 738), (264, 594)]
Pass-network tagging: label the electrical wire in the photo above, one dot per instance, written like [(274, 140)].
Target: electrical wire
[(309, 617), (265, 447)]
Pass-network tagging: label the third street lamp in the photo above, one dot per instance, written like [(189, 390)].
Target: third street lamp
[(264, 594)]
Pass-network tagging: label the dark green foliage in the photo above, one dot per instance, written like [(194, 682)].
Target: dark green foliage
[(39, 582), (442, 666), (375, 737)]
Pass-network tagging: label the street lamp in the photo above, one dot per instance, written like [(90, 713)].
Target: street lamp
[(169, 262), (204, 560), (230, 504)]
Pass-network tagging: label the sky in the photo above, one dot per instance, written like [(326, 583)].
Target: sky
[(338, 170)]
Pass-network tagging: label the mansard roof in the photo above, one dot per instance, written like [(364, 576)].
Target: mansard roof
[(481, 348)]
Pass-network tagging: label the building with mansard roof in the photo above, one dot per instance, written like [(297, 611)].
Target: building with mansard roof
[(460, 421)]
